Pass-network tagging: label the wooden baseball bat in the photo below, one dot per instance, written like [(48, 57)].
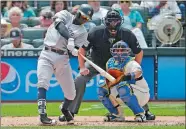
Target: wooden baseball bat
[(100, 70)]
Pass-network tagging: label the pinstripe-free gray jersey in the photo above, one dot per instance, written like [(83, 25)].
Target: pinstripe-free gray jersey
[(78, 32)]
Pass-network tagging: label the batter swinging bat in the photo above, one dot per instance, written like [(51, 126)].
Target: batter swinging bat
[(100, 70)]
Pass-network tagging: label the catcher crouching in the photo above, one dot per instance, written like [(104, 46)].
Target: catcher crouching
[(130, 86)]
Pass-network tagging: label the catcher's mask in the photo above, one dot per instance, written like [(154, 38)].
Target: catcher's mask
[(120, 51), (113, 21), (84, 14)]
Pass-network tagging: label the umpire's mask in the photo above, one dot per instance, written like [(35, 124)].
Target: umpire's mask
[(113, 21)]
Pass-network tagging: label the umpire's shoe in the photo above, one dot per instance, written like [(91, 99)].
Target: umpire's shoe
[(67, 116), (150, 116), (62, 117), (47, 121)]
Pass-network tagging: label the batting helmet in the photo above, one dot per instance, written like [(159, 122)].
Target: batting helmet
[(113, 21), (84, 13), (120, 51)]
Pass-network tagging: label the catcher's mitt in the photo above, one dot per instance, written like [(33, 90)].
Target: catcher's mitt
[(117, 74)]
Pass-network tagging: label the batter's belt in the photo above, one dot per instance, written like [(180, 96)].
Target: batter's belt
[(61, 52)]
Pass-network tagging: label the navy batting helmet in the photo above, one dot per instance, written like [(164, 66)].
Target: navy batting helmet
[(113, 21), (84, 13)]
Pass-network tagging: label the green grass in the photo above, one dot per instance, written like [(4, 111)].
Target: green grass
[(89, 109), (99, 127)]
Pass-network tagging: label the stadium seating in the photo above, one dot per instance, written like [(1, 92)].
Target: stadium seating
[(97, 21), (37, 42), (31, 22), (34, 33), (8, 40)]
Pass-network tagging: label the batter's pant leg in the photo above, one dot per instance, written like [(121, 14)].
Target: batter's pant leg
[(64, 76), (80, 85), (44, 74)]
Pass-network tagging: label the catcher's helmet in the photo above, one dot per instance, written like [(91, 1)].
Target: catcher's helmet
[(113, 21), (84, 13), (120, 51)]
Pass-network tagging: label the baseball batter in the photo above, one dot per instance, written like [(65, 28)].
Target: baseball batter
[(65, 34), (126, 71)]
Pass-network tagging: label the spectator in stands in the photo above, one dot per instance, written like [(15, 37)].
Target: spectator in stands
[(133, 21), (3, 8), (27, 12), (45, 18), (161, 7), (57, 6), (75, 9), (98, 11), (16, 37), (15, 15), (5, 28)]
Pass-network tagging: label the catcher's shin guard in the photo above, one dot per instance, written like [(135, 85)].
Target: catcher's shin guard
[(130, 99), (103, 97)]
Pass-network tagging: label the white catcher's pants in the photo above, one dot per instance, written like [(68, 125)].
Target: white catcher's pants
[(51, 62), (141, 90)]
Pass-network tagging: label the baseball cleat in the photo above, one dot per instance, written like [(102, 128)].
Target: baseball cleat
[(47, 121), (140, 118), (114, 118), (150, 116), (68, 116), (62, 118)]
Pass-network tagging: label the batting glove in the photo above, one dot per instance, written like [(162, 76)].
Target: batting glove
[(84, 71), (70, 45), (74, 52)]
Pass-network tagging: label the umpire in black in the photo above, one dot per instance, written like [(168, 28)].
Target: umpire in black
[(101, 39)]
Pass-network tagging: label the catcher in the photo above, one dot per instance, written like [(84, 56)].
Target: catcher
[(130, 86)]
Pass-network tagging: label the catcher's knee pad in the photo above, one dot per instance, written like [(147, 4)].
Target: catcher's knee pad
[(102, 95), (130, 99)]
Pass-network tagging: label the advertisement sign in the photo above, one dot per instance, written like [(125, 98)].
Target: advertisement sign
[(19, 80), (171, 78)]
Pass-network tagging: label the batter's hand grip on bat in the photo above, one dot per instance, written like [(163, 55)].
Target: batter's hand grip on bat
[(100, 70)]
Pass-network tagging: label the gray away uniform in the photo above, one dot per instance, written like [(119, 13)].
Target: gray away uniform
[(50, 62)]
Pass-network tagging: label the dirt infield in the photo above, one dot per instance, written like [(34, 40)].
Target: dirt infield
[(93, 120)]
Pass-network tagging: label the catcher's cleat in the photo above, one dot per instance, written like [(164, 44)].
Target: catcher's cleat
[(140, 118), (150, 116), (114, 118), (68, 116), (47, 121)]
